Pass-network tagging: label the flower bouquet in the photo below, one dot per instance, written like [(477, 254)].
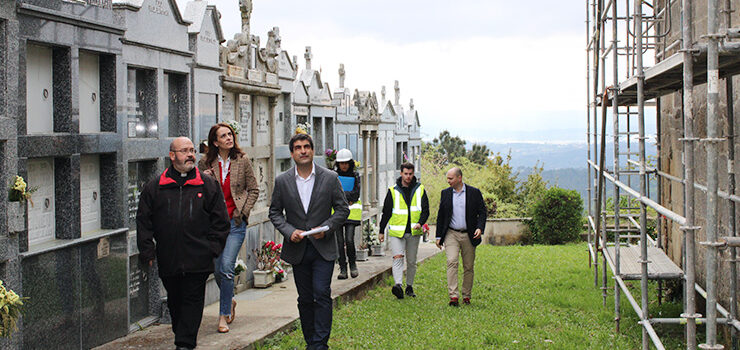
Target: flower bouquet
[(303, 128), (19, 191), (234, 126), (330, 157), (11, 308)]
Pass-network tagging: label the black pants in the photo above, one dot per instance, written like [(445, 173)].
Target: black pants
[(313, 282), (185, 298), (347, 238)]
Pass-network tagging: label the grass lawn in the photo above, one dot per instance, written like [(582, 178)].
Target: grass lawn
[(524, 297)]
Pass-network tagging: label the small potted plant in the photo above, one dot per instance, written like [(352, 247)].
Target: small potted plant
[(279, 272), (370, 238), (18, 194), (11, 308), (267, 256)]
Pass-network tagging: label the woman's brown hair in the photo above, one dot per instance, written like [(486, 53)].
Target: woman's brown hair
[(212, 154)]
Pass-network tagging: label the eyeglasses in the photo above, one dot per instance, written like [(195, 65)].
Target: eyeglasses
[(185, 151)]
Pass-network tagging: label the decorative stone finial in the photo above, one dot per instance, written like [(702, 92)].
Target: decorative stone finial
[(308, 57), (398, 92), (341, 75), (411, 103)]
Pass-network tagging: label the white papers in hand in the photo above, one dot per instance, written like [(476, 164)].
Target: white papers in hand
[(315, 231)]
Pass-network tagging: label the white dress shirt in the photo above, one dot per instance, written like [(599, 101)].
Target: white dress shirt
[(457, 222), (305, 186), (224, 167)]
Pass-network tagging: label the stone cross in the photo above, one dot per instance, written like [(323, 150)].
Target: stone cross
[(398, 92), (308, 57), (341, 75)]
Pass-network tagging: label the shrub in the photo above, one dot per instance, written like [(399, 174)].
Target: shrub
[(556, 217)]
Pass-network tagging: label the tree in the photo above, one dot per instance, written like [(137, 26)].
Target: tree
[(479, 154), (452, 147), (531, 190)]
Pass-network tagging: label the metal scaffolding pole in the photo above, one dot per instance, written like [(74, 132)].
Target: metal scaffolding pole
[(602, 189), (731, 182), (615, 122), (588, 123), (688, 154), (640, 74), (597, 209), (712, 177)]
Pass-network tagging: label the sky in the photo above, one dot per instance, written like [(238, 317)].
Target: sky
[(488, 71)]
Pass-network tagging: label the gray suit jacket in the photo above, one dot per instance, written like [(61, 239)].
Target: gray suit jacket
[(287, 214)]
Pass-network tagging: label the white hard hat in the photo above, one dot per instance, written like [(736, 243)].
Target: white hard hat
[(344, 155)]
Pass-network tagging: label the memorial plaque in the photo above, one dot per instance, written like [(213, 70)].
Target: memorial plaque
[(245, 120), (235, 71), (227, 106)]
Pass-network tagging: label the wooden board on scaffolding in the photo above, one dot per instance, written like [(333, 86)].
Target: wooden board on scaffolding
[(659, 268)]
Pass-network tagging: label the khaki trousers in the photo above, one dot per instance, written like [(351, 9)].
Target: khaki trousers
[(456, 244)]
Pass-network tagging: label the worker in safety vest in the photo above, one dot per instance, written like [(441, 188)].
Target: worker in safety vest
[(405, 211), (350, 179)]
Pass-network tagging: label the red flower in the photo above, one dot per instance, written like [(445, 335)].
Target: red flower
[(280, 245)]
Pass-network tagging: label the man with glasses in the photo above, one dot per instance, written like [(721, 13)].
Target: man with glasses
[(183, 222)]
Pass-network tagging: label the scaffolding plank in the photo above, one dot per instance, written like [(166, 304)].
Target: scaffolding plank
[(660, 267), (667, 76)]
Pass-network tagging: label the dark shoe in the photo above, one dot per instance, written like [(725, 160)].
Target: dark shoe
[(353, 270), (183, 348), (342, 272), (466, 301), (397, 291), (410, 291), (453, 302)]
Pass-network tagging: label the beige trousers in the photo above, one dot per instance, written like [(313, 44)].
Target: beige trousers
[(456, 244)]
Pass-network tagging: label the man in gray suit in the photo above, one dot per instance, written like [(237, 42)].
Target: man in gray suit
[(303, 199)]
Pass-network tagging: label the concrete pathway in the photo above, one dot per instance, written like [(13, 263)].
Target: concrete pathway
[(261, 313)]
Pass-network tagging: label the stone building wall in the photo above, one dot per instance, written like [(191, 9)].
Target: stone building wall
[(671, 153)]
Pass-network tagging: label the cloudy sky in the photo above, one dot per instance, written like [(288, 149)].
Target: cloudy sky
[(493, 70)]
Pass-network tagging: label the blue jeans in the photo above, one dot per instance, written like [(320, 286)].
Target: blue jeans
[(224, 266)]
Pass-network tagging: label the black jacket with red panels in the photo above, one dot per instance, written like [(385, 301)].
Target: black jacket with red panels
[(184, 220)]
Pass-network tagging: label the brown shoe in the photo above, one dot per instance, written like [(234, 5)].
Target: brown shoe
[(233, 314), (223, 329)]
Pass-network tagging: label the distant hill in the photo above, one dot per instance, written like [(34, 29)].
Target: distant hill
[(557, 155)]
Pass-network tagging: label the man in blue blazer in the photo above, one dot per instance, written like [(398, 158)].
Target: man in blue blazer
[(461, 221)]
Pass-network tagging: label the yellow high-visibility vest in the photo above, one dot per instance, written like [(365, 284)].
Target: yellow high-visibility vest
[(401, 212), (355, 211)]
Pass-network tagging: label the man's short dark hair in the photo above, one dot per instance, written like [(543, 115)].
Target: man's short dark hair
[(300, 137), (407, 166)]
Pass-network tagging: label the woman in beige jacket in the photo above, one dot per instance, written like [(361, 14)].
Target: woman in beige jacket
[(230, 166)]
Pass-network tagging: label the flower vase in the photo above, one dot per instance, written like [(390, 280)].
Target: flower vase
[(16, 216), (330, 164), (361, 255), (263, 279), (376, 250)]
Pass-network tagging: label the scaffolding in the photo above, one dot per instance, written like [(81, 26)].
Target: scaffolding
[(621, 36)]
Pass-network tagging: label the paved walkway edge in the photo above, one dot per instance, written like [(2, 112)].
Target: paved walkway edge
[(355, 293)]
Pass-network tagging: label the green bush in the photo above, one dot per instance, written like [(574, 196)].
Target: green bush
[(556, 217)]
